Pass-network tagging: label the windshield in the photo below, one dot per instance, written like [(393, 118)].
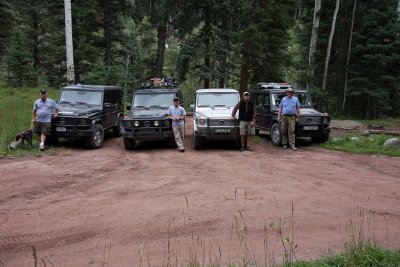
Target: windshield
[(217, 100), (78, 97), (153, 100), (304, 99)]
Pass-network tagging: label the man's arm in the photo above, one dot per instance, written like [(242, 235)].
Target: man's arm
[(235, 109), (33, 115)]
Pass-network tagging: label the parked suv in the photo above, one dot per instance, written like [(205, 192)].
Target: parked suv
[(212, 116), (148, 114), (312, 123), (87, 111)]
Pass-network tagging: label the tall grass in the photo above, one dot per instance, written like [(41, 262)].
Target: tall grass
[(16, 114), (372, 144)]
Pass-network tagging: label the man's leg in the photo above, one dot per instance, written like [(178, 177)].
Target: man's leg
[(284, 130), (291, 128), (177, 136)]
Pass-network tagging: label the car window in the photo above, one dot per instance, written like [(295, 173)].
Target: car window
[(153, 100), (217, 99), (75, 96), (304, 99)]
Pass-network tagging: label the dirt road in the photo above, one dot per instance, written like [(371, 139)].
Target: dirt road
[(155, 206)]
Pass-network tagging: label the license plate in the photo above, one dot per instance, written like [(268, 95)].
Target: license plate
[(310, 128), (61, 129), (222, 130)]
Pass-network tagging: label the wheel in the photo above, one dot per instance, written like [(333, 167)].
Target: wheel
[(257, 131), (276, 136), (97, 139), (129, 143), (320, 139), (117, 128), (51, 140), (198, 142)]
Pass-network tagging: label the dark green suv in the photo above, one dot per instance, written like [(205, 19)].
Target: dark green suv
[(87, 111), (312, 123), (148, 114)]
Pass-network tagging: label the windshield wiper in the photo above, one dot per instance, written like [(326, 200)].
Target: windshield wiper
[(82, 103), (203, 106), (66, 102), (218, 106), (141, 107), (155, 106)]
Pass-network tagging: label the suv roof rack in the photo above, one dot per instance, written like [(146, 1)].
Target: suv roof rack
[(263, 85), (159, 85)]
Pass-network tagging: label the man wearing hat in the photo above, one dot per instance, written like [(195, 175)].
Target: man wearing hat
[(177, 114), (247, 120), (289, 112), (41, 116)]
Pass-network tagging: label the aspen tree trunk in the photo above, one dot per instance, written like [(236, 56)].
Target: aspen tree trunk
[(398, 10), (328, 50), (161, 41), (107, 33), (68, 41), (348, 56), (313, 43)]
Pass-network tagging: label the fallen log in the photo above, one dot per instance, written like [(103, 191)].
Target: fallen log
[(387, 132), (345, 129)]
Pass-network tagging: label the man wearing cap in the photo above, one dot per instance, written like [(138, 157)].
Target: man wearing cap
[(288, 114), (247, 120), (41, 116), (177, 114)]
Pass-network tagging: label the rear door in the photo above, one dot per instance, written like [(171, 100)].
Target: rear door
[(262, 107)]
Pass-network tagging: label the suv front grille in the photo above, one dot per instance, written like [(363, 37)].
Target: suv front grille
[(65, 121), (310, 120), (222, 122)]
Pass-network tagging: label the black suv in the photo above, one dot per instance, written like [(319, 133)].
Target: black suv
[(312, 123), (148, 114), (87, 111)]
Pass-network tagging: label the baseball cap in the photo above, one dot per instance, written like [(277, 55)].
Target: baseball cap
[(290, 89), (176, 99), (246, 93), (43, 91)]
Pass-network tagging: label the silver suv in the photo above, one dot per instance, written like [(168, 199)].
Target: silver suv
[(212, 116)]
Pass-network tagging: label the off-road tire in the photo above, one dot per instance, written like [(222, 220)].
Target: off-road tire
[(117, 128), (129, 143), (320, 139), (276, 135), (97, 139)]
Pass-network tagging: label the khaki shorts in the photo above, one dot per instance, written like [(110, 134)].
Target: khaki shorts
[(42, 128), (245, 128)]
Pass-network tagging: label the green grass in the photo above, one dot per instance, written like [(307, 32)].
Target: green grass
[(361, 255), (16, 114), (372, 144)]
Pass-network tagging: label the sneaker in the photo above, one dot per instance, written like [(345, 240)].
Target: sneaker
[(41, 147), (249, 149), (284, 147), (182, 150), (294, 148), (241, 149)]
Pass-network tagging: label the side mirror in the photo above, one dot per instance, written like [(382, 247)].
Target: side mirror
[(192, 107), (128, 107)]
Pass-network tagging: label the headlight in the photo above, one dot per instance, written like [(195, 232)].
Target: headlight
[(156, 123), (82, 121), (136, 123), (128, 124), (201, 121)]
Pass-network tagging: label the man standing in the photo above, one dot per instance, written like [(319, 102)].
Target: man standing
[(288, 114), (247, 120), (41, 116), (177, 114)]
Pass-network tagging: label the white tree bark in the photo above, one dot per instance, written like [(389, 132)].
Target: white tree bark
[(328, 50), (348, 56), (313, 43), (68, 42), (398, 10)]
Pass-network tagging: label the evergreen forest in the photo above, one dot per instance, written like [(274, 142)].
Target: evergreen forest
[(345, 52)]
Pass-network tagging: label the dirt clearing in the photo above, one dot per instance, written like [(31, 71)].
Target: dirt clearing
[(155, 206)]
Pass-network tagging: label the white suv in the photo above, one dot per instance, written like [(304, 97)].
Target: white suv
[(212, 115)]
